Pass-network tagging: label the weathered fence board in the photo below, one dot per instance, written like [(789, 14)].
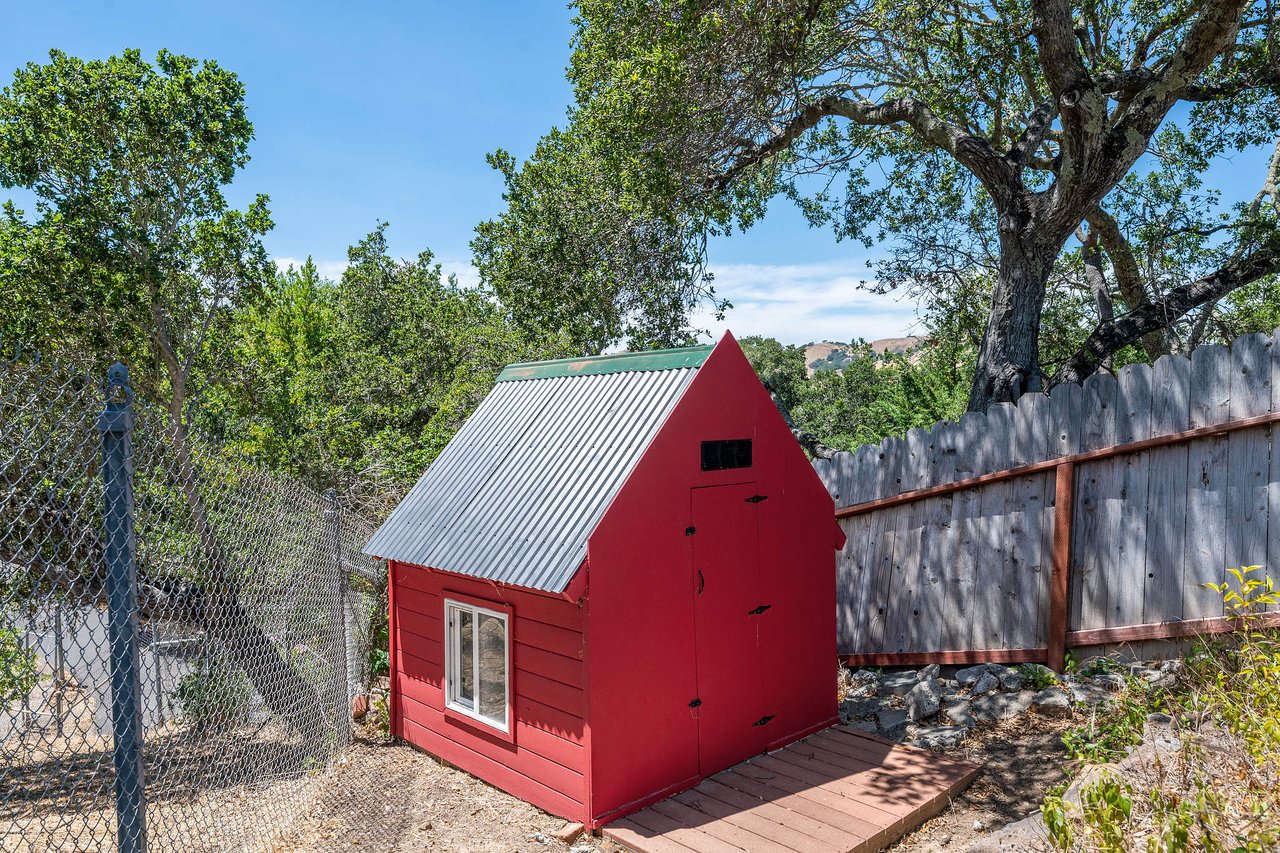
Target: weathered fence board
[(967, 568)]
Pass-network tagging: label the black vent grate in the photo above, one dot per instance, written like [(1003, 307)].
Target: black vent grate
[(719, 455)]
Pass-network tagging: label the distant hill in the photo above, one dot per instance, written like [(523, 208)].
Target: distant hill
[(828, 355)]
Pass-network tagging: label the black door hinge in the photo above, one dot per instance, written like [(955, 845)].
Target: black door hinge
[(690, 530), (693, 703), (762, 608), (763, 721), (755, 499)]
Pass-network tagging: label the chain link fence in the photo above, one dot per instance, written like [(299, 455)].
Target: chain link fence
[(181, 634)]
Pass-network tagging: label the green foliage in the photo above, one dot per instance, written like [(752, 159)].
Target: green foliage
[(18, 666), (359, 383), (691, 118), (214, 696), (1238, 678), (1037, 677), (1115, 727), (871, 397), (133, 252), (1221, 791)]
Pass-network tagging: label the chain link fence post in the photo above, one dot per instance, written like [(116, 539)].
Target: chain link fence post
[(115, 425), (341, 635)]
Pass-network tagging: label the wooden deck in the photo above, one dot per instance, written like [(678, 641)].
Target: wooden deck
[(837, 791)]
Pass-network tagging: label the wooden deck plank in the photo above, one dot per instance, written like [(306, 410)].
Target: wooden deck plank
[(755, 831), (792, 802), (631, 834), (836, 791), (670, 829), (823, 833)]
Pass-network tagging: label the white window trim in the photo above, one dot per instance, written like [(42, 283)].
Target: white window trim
[(452, 662)]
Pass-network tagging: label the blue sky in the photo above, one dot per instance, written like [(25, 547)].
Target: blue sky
[(384, 111)]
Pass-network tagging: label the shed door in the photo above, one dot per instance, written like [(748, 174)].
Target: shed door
[(726, 584)]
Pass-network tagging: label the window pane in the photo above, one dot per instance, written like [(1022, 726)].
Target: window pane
[(466, 658), (493, 668)]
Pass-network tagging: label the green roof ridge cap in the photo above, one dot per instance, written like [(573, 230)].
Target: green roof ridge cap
[(620, 362)]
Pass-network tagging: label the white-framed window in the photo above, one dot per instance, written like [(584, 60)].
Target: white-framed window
[(475, 662)]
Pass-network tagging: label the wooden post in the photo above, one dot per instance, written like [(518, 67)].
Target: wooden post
[(1060, 579)]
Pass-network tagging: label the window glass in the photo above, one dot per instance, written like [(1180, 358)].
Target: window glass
[(493, 668), (466, 654), (476, 663)]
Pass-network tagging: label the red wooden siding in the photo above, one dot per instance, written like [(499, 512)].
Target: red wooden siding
[(644, 735), (546, 761)]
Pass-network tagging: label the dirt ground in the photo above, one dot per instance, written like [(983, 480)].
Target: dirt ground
[(393, 797), (1021, 760)]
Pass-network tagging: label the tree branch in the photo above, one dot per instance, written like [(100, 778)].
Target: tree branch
[(974, 152), (1109, 338)]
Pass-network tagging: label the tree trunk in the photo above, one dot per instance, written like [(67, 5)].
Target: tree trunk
[(232, 627), (1009, 358)]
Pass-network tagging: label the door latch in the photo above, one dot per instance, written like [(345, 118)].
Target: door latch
[(755, 499), (702, 582), (762, 608), (693, 703), (763, 721), (690, 530)]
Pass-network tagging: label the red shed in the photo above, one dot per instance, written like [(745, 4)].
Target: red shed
[(615, 581)]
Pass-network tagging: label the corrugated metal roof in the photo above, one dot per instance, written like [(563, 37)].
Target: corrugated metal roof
[(515, 494)]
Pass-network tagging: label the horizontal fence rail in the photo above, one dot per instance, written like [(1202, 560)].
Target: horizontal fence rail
[(1092, 515)]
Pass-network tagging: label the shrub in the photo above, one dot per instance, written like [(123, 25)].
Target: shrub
[(214, 696), (19, 671)]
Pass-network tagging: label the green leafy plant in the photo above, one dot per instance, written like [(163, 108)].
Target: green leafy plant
[(214, 696), (19, 671), (1037, 677), (1111, 730)]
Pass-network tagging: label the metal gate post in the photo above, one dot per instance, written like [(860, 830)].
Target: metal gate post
[(341, 641), (115, 425)]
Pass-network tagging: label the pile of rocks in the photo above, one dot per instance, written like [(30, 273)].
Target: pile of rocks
[(936, 708)]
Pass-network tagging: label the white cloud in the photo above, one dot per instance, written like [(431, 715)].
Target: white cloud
[(468, 276), (795, 303), (805, 302), (328, 269)]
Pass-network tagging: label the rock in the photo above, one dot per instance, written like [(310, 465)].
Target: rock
[(969, 676), (1039, 672), (857, 709), (568, 833), (1052, 702), (1083, 693), (1011, 680), (1110, 680), (1090, 775), (938, 737), (924, 700), (930, 671), (863, 691), (899, 683), (1001, 706), (1160, 678), (868, 726), (960, 713), (985, 684), (582, 848), (892, 722), (1025, 835), (864, 676)]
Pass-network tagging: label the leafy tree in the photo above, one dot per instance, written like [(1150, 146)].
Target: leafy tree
[(977, 139), (577, 252), (133, 244)]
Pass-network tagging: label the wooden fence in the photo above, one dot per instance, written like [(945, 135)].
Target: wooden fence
[(1091, 515)]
